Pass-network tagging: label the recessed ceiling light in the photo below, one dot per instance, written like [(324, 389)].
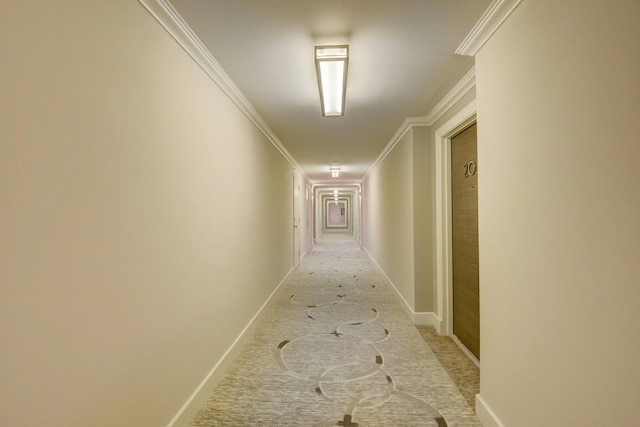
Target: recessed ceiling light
[(331, 67)]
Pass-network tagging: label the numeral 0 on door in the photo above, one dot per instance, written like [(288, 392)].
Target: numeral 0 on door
[(470, 169)]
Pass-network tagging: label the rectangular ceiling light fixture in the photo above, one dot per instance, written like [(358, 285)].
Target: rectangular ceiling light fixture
[(331, 67), (335, 171)]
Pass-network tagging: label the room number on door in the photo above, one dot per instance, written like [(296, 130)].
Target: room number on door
[(470, 169)]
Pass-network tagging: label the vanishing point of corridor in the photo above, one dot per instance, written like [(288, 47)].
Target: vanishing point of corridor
[(336, 349)]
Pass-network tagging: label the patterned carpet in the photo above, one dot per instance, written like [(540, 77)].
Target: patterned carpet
[(463, 372), (336, 349)]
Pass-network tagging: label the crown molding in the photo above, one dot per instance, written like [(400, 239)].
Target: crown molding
[(336, 182), (465, 84), (407, 124), (172, 22), (497, 12)]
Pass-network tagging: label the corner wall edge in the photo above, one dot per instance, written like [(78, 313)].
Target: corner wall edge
[(406, 125), (485, 414), (466, 83), (497, 12)]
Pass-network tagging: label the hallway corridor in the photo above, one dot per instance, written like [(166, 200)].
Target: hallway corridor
[(336, 348)]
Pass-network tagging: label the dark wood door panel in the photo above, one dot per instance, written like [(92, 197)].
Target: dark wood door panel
[(464, 204)]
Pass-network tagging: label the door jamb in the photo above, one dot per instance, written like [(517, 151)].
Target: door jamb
[(296, 219), (444, 257)]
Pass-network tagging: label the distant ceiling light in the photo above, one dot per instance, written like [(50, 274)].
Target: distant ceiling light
[(335, 172), (331, 67), (335, 191)]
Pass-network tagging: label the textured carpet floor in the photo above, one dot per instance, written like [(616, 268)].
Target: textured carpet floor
[(336, 349), (463, 372)]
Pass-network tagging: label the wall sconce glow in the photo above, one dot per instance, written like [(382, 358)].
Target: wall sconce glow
[(331, 67), (335, 172)]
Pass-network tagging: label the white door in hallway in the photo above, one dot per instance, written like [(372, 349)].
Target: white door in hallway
[(296, 220), (464, 216), (336, 214)]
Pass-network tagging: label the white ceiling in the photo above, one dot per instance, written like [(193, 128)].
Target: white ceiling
[(401, 64)]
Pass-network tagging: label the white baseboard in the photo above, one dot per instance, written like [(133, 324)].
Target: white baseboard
[(485, 414), (426, 318), (203, 391)]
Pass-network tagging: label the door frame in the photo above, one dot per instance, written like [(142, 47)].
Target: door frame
[(444, 255), (296, 219), (344, 202)]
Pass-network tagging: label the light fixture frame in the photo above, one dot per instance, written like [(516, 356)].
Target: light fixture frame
[(321, 83)]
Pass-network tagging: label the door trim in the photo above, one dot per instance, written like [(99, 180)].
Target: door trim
[(444, 257), (296, 219), (344, 202)]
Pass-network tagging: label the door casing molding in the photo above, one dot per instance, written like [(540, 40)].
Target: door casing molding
[(444, 257)]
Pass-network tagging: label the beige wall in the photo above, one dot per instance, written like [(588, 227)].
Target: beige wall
[(558, 107), (133, 195), (388, 209), (422, 219), (406, 250)]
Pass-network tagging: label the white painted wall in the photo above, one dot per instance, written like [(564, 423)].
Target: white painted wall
[(128, 217), (559, 141), (388, 206), (406, 174), (423, 240)]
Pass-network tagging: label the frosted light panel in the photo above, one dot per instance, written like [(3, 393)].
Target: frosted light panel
[(331, 66), (332, 73)]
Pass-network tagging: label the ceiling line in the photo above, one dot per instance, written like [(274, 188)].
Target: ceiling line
[(497, 12), (169, 18)]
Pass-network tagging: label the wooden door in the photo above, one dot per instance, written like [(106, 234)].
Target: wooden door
[(464, 205)]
